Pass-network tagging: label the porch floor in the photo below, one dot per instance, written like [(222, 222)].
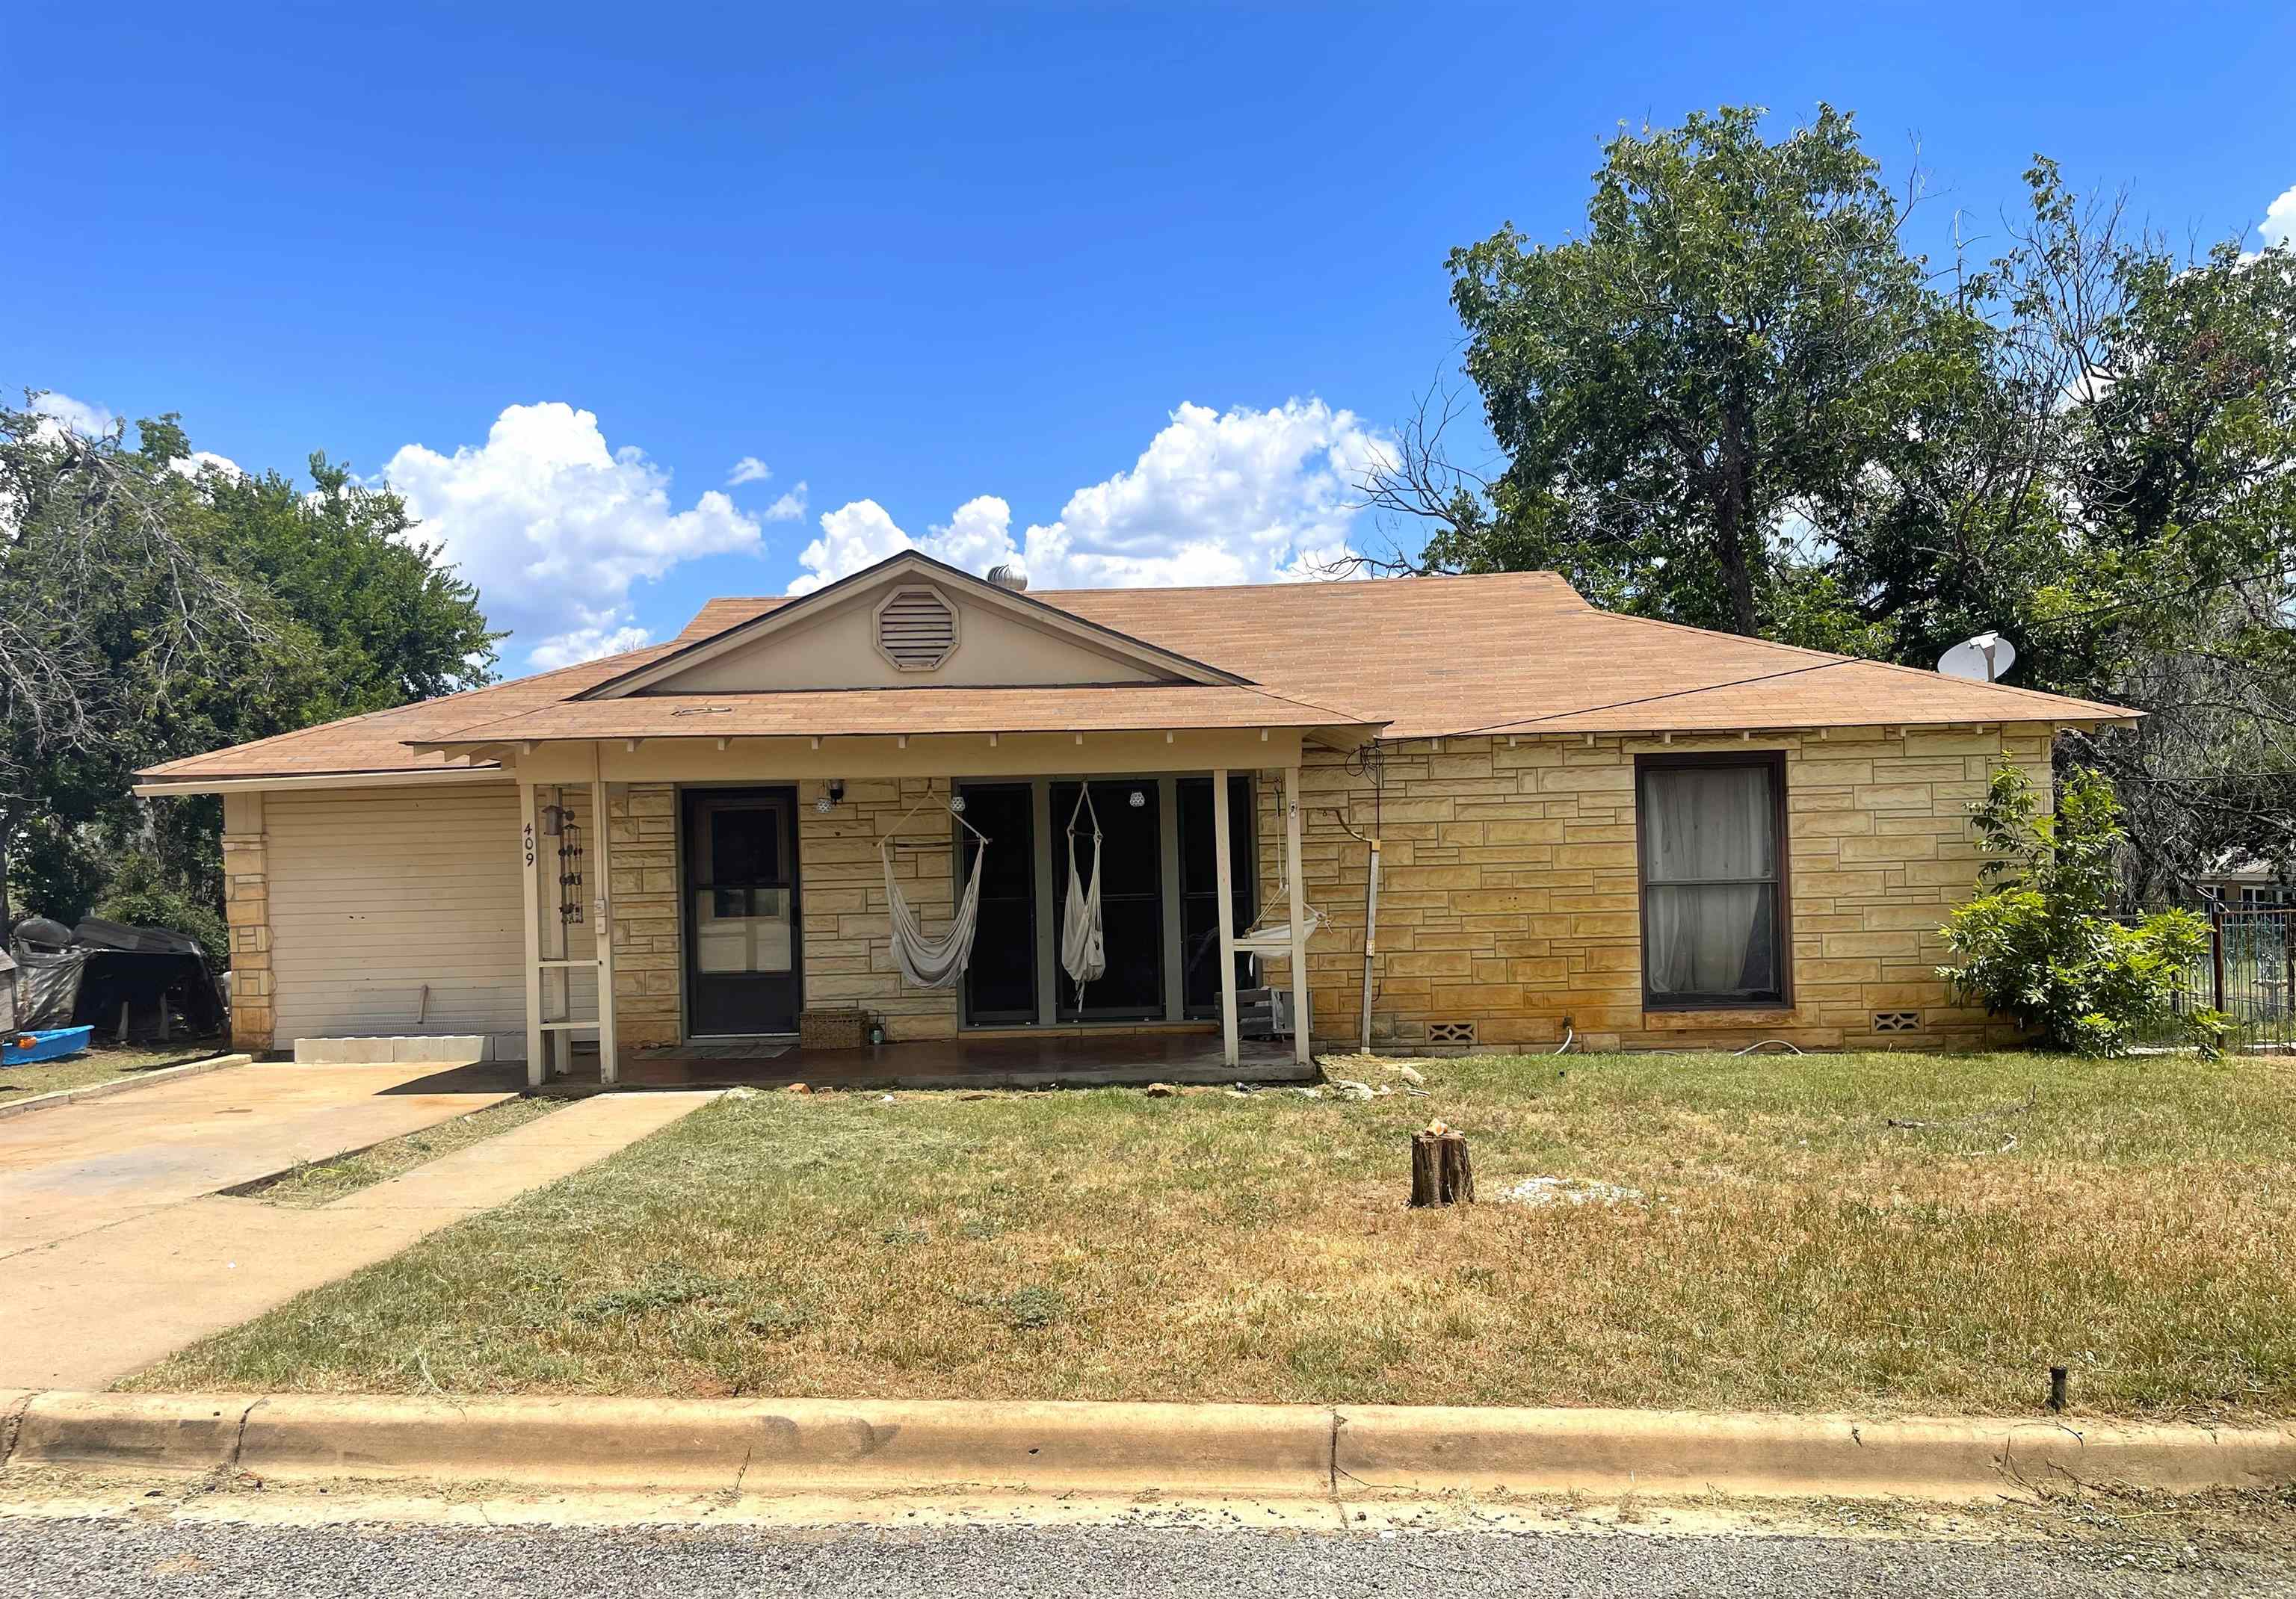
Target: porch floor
[(1053, 1061)]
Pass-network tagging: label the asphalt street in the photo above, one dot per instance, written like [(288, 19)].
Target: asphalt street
[(97, 1559)]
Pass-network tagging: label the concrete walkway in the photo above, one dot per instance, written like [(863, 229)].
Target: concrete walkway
[(89, 1307)]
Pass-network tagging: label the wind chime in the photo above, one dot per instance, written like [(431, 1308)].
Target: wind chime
[(558, 823)]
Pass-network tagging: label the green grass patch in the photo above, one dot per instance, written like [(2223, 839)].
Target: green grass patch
[(323, 1182), (99, 1064), (1877, 1233)]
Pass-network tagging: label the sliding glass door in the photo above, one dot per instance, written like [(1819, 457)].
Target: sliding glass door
[(1159, 897), (1000, 986), (1131, 897)]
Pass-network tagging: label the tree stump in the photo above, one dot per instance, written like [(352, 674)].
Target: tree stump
[(1441, 1171)]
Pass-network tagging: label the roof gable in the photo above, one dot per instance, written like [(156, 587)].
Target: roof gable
[(907, 623)]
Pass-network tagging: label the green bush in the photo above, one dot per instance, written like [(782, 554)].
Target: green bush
[(2042, 945), (142, 895)]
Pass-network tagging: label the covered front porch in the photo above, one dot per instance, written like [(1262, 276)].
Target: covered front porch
[(628, 981), (1059, 1059)]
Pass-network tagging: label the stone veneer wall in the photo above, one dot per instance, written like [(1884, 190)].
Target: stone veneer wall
[(641, 876), (847, 931), (1510, 894)]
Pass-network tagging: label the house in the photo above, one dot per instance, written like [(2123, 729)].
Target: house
[(2241, 883), (1591, 826)]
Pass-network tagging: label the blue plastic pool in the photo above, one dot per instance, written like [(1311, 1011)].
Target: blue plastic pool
[(52, 1044)]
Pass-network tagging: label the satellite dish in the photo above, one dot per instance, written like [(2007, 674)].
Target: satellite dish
[(1985, 658)]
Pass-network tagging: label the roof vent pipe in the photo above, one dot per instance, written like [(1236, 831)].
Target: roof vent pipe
[(1009, 576)]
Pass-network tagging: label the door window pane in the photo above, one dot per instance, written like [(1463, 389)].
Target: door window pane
[(745, 845), (742, 902), (741, 930)]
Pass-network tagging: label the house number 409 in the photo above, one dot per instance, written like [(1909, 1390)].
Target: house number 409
[(527, 832)]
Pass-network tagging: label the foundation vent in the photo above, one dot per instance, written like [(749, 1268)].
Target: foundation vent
[(1897, 1022), (916, 629), (1450, 1032)]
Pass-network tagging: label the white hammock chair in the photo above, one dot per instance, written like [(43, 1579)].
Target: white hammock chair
[(1084, 948), (927, 962), (1275, 937)]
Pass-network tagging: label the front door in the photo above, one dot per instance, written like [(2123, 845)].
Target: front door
[(741, 935)]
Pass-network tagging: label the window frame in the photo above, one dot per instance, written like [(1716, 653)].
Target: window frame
[(1774, 761)]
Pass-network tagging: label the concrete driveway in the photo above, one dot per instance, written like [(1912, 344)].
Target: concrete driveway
[(117, 1249), (91, 1165)]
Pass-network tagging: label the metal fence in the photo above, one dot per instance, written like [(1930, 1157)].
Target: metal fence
[(2248, 971), (2250, 975)]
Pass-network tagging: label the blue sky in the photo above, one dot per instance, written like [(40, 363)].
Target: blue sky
[(955, 272)]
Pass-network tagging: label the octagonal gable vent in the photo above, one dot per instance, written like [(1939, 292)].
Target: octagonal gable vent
[(916, 629)]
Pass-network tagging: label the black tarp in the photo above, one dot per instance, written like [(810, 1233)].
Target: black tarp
[(47, 987), (164, 991), (145, 983)]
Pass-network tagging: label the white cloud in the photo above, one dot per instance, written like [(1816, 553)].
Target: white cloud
[(749, 469), (1236, 496), (585, 643), (200, 460), (554, 527), (79, 416), (2279, 224), (788, 508), (852, 536)]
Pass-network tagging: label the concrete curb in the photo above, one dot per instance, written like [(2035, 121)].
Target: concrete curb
[(1271, 1450), (125, 1084), (1425, 1449)]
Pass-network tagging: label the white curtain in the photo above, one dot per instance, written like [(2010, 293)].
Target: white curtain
[(1706, 832)]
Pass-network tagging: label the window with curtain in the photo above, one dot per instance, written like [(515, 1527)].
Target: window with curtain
[(1713, 910)]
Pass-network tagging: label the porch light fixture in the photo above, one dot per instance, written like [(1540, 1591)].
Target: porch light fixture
[(831, 793), (1139, 799)]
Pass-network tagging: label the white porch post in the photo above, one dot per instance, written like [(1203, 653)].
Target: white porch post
[(1292, 824), (529, 848), (602, 904), (1224, 871)]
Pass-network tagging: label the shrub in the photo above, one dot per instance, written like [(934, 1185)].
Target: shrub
[(142, 895), (2041, 943)]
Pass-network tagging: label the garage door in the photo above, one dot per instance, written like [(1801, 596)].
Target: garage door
[(397, 911)]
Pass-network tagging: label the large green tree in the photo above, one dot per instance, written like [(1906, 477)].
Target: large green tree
[(113, 603), (1737, 400), (148, 611), (1705, 368), (2113, 483)]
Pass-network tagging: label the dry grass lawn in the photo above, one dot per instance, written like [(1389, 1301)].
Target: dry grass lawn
[(99, 1064), (1879, 1233), (323, 1182)]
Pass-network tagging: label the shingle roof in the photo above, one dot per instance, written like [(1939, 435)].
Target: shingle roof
[(1131, 707), (1517, 651)]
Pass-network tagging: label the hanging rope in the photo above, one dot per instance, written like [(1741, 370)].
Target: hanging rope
[(1084, 949), (927, 962)]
